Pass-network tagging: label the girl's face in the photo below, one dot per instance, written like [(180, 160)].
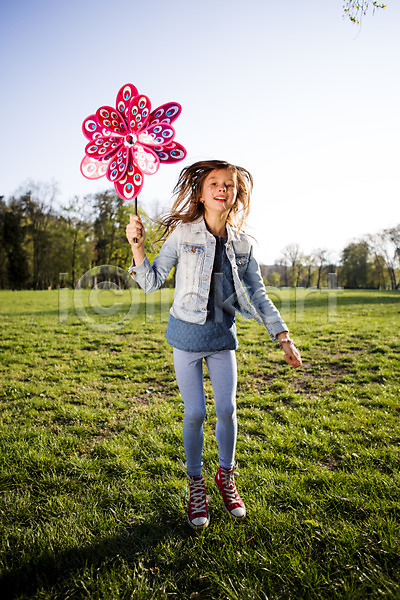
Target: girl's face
[(219, 192)]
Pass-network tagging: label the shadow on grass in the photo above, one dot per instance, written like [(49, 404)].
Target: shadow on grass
[(133, 544), (70, 315), (351, 297), (302, 299), (318, 298)]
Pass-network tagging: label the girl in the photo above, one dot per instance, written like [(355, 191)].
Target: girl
[(216, 275)]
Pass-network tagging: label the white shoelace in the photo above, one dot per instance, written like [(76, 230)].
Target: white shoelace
[(228, 483), (197, 495)]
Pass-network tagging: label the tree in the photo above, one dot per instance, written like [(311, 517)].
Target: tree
[(292, 256), (386, 245), (13, 238), (321, 256), (309, 265), (355, 10), (355, 265), (3, 254), (78, 232), (378, 274), (37, 203), (274, 279)]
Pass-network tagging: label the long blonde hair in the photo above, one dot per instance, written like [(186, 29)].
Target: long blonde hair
[(187, 207)]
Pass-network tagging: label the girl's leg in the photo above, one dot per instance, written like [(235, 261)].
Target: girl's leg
[(223, 374), (189, 376)]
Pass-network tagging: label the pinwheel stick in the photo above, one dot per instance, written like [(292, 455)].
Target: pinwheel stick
[(135, 239)]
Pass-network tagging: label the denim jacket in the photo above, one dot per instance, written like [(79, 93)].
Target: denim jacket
[(191, 247)]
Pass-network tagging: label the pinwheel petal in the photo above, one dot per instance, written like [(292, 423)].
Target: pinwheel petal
[(111, 120), (166, 113), (170, 154), (93, 169), (131, 184), (138, 113), (144, 158), (159, 134), (92, 129), (118, 165), (124, 97), (103, 148)]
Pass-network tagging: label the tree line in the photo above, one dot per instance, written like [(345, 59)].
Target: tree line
[(371, 262), (40, 244)]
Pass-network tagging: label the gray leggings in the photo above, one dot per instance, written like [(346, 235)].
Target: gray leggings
[(223, 374)]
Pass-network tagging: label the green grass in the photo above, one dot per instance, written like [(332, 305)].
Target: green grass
[(93, 500)]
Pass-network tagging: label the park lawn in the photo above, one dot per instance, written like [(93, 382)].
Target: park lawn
[(92, 497)]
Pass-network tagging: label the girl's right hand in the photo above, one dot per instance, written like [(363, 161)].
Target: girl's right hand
[(135, 232)]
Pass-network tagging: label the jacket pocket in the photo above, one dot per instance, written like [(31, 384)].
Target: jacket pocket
[(242, 262)]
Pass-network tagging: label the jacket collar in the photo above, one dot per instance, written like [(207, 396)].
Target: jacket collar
[(200, 226)]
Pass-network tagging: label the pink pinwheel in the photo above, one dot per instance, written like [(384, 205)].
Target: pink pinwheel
[(129, 141)]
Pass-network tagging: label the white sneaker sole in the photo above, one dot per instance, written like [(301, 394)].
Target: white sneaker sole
[(198, 527)]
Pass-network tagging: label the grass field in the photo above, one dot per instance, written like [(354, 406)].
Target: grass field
[(93, 500)]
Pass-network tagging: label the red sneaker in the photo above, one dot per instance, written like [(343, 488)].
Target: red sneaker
[(233, 503), (198, 516)]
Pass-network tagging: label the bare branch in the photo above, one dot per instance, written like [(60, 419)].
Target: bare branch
[(355, 10)]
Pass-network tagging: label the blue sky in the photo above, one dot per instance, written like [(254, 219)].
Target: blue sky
[(290, 90)]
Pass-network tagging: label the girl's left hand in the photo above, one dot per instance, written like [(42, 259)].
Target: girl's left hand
[(292, 355)]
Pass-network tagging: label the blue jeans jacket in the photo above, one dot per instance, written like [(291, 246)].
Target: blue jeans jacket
[(191, 248)]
